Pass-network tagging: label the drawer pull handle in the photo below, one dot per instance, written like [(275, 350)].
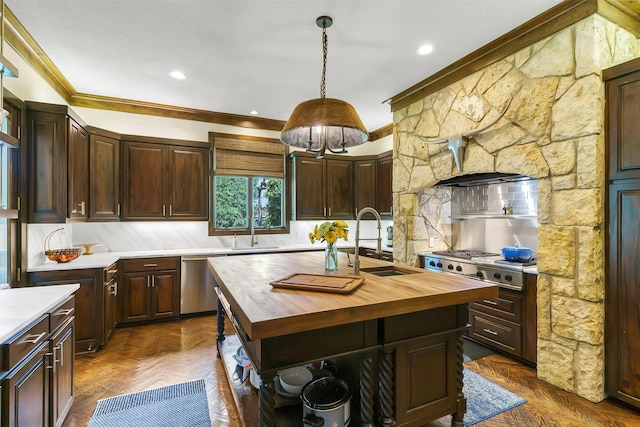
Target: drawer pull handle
[(150, 265), (33, 339), (489, 331), (486, 301), (112, 271), (65, 312)]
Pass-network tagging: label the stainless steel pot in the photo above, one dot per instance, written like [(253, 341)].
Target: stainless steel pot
[(326, 402)]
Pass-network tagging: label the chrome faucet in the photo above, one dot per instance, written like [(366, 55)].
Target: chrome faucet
[(254, 238), (356, 258)]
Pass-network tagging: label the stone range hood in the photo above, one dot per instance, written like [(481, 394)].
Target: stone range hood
[(553, 130)]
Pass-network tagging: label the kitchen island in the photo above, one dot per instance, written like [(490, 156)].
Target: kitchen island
[(404, 329)]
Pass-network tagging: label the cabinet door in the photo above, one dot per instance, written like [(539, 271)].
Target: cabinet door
[(339, 186), (384, 186), (623, 132), (165, 295), (104, 178), (309, 189), (47, 168), (189, 183), (78, 170), (135, 297), (28, 392), (365, 185), (62, 392), (144, 181), (89, 331), (623, 292)]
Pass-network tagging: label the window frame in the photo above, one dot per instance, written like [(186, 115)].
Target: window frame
[(249, 174)]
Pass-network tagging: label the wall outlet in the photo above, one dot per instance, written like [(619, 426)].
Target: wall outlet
[(432, 242)]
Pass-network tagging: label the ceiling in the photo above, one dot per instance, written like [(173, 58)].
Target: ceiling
[(262, 55)]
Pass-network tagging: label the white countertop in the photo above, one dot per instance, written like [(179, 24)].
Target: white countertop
[(105, 259), (21, 306)]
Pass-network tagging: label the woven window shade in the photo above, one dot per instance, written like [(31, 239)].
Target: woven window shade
[(234, 155)]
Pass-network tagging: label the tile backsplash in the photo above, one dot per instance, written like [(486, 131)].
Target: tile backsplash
[(490, 199)]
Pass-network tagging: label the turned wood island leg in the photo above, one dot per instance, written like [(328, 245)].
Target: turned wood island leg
[(387, 384), (266, 405), (461, 401), (367, 383), (220, 321)]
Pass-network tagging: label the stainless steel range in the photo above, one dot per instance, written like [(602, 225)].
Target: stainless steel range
[(479, 265)]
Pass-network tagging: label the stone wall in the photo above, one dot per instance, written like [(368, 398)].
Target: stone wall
[(552, 130)]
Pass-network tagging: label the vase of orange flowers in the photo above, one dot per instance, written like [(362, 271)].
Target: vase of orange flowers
[(330, 232)]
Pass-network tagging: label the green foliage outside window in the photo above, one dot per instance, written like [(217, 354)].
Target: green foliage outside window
[(232, 209), (231, 201)]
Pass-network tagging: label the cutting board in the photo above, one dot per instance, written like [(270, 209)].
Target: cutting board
[(319, 283)]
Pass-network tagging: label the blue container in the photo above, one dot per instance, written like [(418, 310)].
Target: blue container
[(517, 253)]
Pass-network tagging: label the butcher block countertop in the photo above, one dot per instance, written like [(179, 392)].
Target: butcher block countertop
[(264, 311)]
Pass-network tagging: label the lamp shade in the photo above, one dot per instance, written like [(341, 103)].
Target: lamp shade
[(340, 122)]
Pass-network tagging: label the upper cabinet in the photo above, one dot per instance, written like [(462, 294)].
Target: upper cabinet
[(337, 187), (162, 181), (384, 185), (57, 155), (321, 188), (104, 175), (623, 105), (78, 170)]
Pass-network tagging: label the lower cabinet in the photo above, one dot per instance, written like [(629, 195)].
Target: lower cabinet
[(38, 388), (89, 333), (425, 374), (150, 289), (507, 323)]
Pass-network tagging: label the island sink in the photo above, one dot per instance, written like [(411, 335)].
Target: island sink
[(386, 271)]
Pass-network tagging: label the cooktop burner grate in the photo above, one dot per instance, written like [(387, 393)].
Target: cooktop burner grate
[(531, 262), (466, 254)]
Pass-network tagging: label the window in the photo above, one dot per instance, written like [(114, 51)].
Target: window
[(248, 190)]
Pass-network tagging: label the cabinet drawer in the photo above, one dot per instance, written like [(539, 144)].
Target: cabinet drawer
[(150, 264), (21, 345), (60, 314), (507, 306), (496, 332)]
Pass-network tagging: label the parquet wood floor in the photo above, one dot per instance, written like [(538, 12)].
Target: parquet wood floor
[(150, 356)]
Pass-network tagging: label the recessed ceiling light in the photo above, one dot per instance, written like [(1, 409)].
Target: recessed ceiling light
[(254, 112), (178, 75), (425, 49)]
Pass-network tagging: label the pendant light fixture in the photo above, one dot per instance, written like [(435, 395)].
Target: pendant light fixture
[(324, 123)]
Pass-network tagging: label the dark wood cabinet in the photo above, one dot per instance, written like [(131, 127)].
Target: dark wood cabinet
[(150, 289), (47, 167), (507, 323), (622, 288), (384, 186), (321, 188), (164, 181), (365, 174), (371, 253), (89, 301), (104, 177), (78, 171), (110, 301), (62, 371), (57, 171), (38, 387)]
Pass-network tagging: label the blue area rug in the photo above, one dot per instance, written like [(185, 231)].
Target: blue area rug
[(486, 399), (178, 405)]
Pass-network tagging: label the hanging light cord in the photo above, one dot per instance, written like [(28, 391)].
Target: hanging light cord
[(323, 85)]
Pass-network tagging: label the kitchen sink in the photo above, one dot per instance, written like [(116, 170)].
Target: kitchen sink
[(388, 271)]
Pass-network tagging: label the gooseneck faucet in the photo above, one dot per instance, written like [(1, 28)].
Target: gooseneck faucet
[(356, 258)]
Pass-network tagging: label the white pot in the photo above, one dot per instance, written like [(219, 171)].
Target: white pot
[(255, 379)]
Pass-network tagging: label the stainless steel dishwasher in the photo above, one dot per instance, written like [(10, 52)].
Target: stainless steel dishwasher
[(197, 292)]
